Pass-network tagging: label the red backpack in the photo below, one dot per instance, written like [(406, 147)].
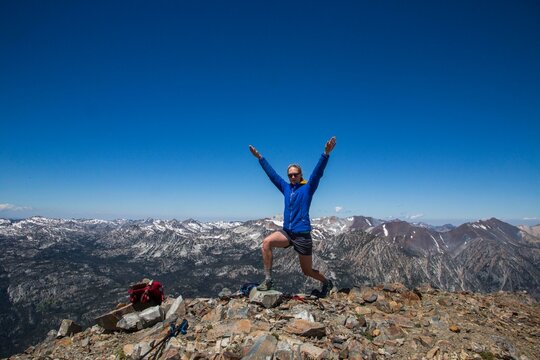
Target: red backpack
[(144, 292)]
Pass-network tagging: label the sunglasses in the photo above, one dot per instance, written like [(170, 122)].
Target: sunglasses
[(293, 175)]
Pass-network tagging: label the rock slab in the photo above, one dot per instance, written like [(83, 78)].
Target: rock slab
[(177, 308), (68, 328), (109, 320)]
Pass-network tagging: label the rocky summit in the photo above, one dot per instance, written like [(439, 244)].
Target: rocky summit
[(387, 321)]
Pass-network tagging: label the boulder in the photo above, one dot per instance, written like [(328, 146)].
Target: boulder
[(68, 328), (177, 309), (267, 299), (167, 303), (151, 316), (130, 322), (262, 349), (109, 320)]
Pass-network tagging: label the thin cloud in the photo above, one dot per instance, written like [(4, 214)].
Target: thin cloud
[(530, 218), (11, 207), (416, 216), (339, 208)]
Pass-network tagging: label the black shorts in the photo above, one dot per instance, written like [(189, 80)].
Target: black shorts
[(301, 242)]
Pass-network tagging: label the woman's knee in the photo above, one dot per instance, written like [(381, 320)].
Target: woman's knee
[(266, 244)]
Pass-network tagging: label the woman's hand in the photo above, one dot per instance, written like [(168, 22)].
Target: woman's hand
[(330, 144), (255, 152)]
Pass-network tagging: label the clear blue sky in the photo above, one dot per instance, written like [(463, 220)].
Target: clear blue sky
[(142, 109)]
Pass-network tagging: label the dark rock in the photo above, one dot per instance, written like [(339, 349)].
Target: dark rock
[(306, 328)]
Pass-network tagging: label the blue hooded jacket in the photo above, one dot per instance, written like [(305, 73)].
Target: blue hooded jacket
[(297, 197)]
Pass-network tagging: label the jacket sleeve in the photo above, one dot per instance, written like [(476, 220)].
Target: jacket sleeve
[(317, 173), (274, 177)]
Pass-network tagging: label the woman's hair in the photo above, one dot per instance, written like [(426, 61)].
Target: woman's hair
[(295, 166)]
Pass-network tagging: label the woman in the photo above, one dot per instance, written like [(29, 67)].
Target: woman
[(296, 231)]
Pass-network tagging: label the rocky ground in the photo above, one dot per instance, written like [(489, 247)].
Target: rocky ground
[(386, 321)]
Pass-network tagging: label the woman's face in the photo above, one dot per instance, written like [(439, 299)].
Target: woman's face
[(295, 175)]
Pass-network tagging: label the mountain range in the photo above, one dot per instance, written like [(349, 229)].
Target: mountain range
[(52, 269)]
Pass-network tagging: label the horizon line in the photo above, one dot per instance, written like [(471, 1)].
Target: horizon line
[(449, 221)]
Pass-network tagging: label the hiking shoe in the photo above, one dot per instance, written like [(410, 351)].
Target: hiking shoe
[(327, 286), (265, 285)]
